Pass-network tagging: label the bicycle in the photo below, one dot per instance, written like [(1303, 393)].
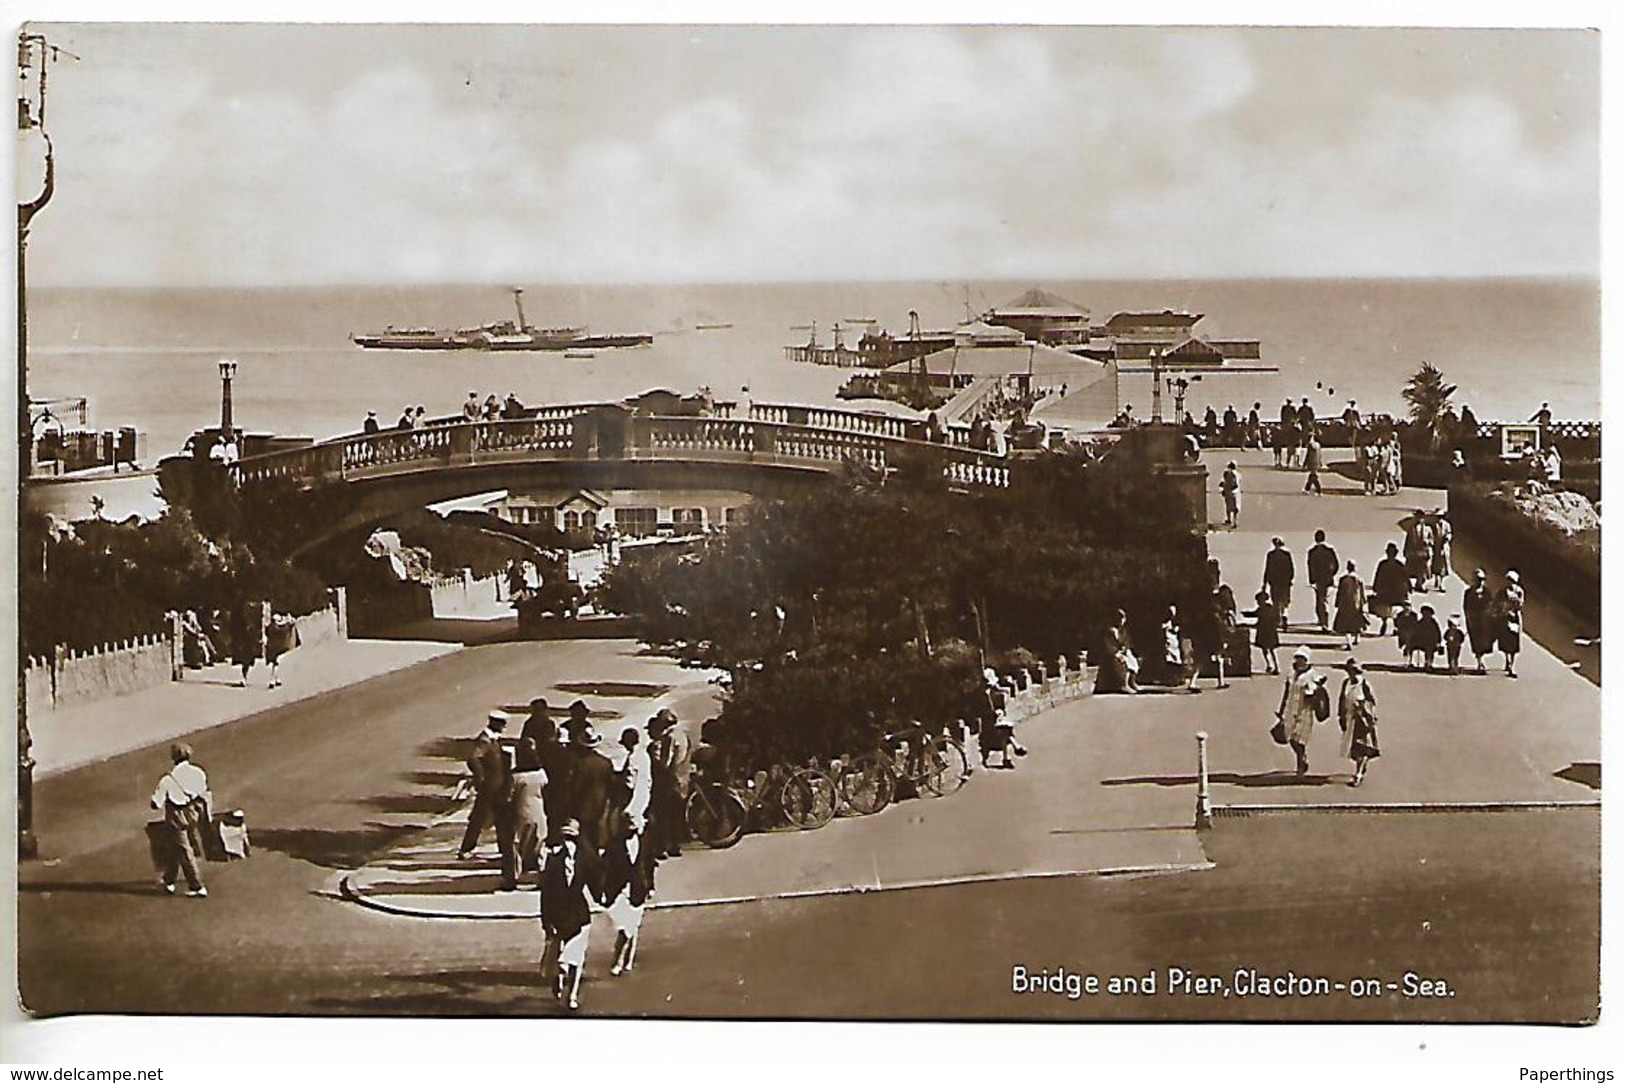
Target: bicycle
[(719, 813), (933, 766)]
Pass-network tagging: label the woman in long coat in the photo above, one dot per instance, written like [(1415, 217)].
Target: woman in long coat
[(1510, 607), (1478, 607), (1357, 715), (1390, 587), (1348, 619)]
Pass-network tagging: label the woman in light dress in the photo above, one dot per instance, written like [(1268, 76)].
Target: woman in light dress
[(1357, 716), (530, 815)]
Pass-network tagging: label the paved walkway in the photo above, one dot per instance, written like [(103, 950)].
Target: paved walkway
[(77, 734), (1110, 786)]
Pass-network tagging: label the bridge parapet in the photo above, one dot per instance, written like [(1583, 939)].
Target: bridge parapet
[(566, 433)]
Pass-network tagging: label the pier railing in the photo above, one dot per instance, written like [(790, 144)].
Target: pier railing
[(790, 436)]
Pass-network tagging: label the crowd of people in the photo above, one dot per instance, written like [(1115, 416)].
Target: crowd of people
[(243, 634), (586, 824)]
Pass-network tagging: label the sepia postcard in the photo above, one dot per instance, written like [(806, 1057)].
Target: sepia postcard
[(824, 522)]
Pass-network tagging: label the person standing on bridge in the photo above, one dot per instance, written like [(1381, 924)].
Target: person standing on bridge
[(1321, 562), (471, 407), (370, 426)]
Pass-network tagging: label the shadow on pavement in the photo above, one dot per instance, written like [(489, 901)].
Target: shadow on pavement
[(329, 849), (1229, 778), (1586, 774), (90, 887), (427, 803)]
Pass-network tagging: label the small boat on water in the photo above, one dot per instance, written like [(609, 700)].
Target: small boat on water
[(578, 355), (505, 335), (712, 326)]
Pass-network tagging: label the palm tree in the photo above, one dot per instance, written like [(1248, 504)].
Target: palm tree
[(1428, 396)]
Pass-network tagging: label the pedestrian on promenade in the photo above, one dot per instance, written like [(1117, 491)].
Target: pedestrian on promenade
[(281, 636), (370, 426), (629, 873), (492, 770), (634, 784), (197, 650), (1349, 619), (1304, 701), (669, 754), (570, 879), (591, 777), (1178, 653), (1232, 426), (1390, 587), (1419, 551), (1509, 606), (1351, 418), (1255, 426), (471, 407), (1357, 716), (1120, 669), (1230, 488), (1405, 619), (247, 635), (1542, 417), (1279, 571), (1478, 607), (553, 757), (1443, 536), (1214, 635), (183, 798), (1267, 631), (1287, 421), (1396, 465), (405, 422), (1321, 563), (990, 708), (1454, 637), (1426, 637), (530, 810), (1314, 462)]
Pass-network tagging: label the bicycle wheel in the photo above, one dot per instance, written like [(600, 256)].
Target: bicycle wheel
[(867, 785), (945, 767), (715, 815), (808, 799)]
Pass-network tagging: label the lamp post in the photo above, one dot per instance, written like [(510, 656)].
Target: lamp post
[(33, 55), (228, 369)]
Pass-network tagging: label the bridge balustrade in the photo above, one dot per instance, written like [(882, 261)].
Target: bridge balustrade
[(831, 437)]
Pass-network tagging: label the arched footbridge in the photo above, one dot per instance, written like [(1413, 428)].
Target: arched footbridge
[(773, 452)]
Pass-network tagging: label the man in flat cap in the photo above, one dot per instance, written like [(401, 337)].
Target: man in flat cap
[(493, 798)]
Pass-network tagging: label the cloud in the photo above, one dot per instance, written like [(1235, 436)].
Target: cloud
[(730, 154)]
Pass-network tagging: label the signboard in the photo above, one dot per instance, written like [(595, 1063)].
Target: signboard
[(1519, 440)]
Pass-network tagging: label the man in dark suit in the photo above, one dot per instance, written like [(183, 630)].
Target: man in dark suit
[(1278, 575), (591, 779), (1323, 565), (493, 798), (555, 757), (670, 754)]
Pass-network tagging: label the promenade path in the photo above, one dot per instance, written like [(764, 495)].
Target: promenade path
[(78, 734), (1110, 785)]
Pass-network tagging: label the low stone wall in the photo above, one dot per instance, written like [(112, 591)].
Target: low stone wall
[(1563, 573), (109, 670), (1028, 693)]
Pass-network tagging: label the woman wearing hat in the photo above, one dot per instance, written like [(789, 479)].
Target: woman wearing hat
[(590, 779), (1510, 607), (570, 880), (1303, 703), (1478, 608), (1357, 716), (1348, 616)]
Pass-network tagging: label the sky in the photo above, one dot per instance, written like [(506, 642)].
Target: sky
[(291, 155)]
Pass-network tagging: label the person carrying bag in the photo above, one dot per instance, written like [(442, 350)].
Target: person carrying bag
[(183, 798)]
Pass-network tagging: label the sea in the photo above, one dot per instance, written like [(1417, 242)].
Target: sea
[(149, 357)]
